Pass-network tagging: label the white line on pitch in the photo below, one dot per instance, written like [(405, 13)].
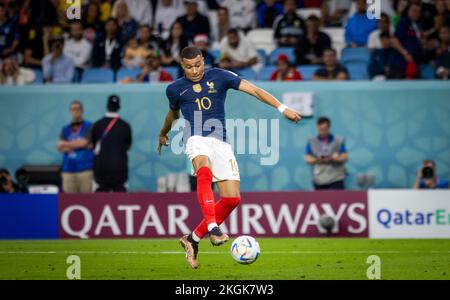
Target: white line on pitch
[(223, 252)]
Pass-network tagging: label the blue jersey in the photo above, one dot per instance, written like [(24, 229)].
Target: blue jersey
[(203, 103)]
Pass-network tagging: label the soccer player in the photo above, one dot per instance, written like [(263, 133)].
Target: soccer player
[(201, 97)]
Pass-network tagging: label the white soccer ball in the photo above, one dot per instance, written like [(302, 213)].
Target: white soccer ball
[(245, 250)]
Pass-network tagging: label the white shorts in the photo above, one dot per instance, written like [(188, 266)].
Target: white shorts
[(223, 163)]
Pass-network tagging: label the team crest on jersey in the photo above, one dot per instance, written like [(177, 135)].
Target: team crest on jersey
[(197, 88), (211, 89)]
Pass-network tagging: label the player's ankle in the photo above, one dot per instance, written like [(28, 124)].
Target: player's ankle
[(216, 231), (192, 239)]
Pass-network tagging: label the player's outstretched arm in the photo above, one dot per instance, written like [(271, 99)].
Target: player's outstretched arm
[(267, 98), (171, 116)]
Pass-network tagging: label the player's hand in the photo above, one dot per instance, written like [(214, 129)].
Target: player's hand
[(292, 115), (163, 141)]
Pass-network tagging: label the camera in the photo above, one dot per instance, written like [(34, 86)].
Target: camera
[(427, 173)]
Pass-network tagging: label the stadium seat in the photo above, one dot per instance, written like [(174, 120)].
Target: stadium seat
[(350, 55), (125, 72), (337, 38), (247, 73), (266, 72), (173, 71), (427, 72), (262, 38), (39, 77), (262, 56), (289, 51), (98, 76), (306, 12), (307, 71), (357, 70), (215, 53)]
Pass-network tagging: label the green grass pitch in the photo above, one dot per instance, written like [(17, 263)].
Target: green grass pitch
[(280, 259)]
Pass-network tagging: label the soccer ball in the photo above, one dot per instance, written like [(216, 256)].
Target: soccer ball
[(245, 250)]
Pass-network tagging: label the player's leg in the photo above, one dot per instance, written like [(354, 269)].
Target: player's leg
[(229, 200)]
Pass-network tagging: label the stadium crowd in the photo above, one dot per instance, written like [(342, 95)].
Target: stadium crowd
[(140, 40)]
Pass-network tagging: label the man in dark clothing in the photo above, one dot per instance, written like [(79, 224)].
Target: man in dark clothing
[(311, 45), (111, 138), (193, 22), (108, 48), (289, 28)]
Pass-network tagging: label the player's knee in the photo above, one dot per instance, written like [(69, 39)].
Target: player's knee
[(233, 201)]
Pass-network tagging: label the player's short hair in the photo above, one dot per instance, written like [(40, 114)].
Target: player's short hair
[(323, 120), (330, 49), (313, 18), (77, 102), (233, 31), (190, 52)]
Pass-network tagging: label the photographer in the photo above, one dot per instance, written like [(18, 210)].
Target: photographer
[(427, 179), (327, 155), (7, 185)]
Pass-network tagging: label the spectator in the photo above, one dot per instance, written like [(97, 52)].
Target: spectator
[(241, 52), (135, 54), (152, 71), (427, 178), (92, 25), (201, 42), (334, 13), (407, 44), (384, 25), (428, 12), (193, 22), (443, 54), (128, 26), (9, 35), (141, 11), (219, 31), (165, 15), (12, 74), (310, 48), (106, 10), (112, 138), (147, 39), (7, 185), (268, 11), (327, 155), (289, 28), (37, 46), (439, 20), (73, 142), (285, 70), (242, 13), (173, 45), (56, 66), (332, 69), (381, 58), (77, 47), (108, 47), (400, 7), (359, 27)]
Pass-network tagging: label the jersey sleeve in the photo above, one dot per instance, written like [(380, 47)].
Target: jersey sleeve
[(174, 104), (231, 79)]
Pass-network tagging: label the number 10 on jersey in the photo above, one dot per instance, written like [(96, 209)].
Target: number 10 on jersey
[(204, 103)]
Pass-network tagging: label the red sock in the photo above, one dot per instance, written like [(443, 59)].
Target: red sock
[(205, 194), (223, 209)]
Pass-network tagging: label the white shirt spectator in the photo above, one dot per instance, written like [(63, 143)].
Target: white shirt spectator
[(374, 41), (79, 51), (243, 52), (166, 15), (141, 11), (23, 76), (242, 13)]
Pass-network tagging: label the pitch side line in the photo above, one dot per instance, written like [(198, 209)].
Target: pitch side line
[(224, 252)]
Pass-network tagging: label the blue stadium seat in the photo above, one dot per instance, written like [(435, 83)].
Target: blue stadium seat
[(355, 55), (215, 53), (247, 73), (98, 76), (357, 70), (262, 55), (39, 77), (427, 72), (125, 72), (289, 51), (173, 71), (266, 72), (307, 71)]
